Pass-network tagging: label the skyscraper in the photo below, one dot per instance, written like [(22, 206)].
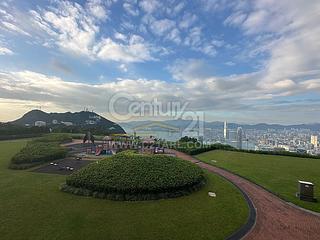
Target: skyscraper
[(225, 131), (239, 137), (314, 140)]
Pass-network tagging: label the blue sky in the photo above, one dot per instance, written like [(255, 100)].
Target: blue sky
[(243, 61)]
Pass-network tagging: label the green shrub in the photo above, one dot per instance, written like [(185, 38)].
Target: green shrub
[(197, 148), (40, 150), (55, 137), (129, 176)]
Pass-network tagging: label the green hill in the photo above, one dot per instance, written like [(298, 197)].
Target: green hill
[(73, 121)]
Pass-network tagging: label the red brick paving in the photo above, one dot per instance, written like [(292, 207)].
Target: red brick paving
[(276, 219)]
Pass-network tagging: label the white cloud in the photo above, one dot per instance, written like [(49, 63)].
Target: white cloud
[(12, 27), (76, 30), (209, 50), (174, 35), (194, 37), (283, 37), (5, 51), (97, 9), (177, 9), (130, 9), (204, 91), (189, 69), (188, 20), (107, 49), (197, 42), (123, 67), (230, 63), (120, 36), (149, 6), (235, 19), (213, 5), (161, 27), (288, 33)]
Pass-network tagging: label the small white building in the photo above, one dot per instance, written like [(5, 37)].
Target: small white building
[(67, 123), (40, 123), (90, 122)]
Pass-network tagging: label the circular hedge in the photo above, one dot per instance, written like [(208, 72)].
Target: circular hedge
[(128, 176)]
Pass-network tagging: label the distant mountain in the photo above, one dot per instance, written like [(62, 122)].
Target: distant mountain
[(182, 124), (82, 119)]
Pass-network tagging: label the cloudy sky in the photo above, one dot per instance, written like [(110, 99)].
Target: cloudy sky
[(241, 61)]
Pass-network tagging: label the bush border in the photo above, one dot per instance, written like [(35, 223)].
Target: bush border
[(144, 196)]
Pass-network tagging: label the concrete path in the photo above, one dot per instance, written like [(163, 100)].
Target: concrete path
[(276, 219)]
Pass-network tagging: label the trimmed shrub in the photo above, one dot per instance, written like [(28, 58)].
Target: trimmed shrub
[(40, 150), (55, 137), (129, 176), (197, 148), (194, 149)]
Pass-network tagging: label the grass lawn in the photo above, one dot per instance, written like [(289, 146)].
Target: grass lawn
[(280, 174), (32, 207)]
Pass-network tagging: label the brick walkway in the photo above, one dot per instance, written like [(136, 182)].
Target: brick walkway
[(276, 219)]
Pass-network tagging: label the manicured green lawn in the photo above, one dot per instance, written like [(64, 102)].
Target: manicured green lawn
[(32, 207), (280, 174)]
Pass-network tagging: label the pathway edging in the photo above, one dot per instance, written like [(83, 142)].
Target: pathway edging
[(273, 193), (275, 218)]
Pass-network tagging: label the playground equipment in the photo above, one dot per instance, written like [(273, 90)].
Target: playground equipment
[(88, 137)]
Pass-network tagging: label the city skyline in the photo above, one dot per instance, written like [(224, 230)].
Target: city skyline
[(249, 62)]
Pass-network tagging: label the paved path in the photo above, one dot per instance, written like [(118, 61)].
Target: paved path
[(276, 219)]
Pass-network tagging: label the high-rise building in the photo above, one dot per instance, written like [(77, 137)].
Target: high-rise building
[(314, 140), (239, 137), (225, 131)]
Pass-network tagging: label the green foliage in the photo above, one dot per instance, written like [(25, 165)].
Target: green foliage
[(279, 174), (279, 153), (40, 150), (130, 176), (29, 199), (55, 137), (197, 148), (94, 129), (11, 131), (188, 139), (192, 148)]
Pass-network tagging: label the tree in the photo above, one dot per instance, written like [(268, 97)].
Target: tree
[(188, 139)]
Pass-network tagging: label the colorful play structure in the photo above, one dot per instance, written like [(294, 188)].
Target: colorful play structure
[(88, 137), (112, 144), (101, 151)]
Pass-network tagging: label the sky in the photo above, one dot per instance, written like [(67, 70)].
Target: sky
[(244, 61)]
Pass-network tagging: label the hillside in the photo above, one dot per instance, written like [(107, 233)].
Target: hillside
[(82, 120), (182, 124)]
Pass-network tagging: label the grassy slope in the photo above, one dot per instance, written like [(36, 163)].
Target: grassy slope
[(280, 174), (32, 207)]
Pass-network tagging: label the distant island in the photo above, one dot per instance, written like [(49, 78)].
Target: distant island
[(73, 122)]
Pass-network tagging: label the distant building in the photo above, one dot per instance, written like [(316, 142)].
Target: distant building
[(225, 131), (40, 124), (67, 123), (54, 121), (97, 117), (239, 137), (314, 140), (90, 122)]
